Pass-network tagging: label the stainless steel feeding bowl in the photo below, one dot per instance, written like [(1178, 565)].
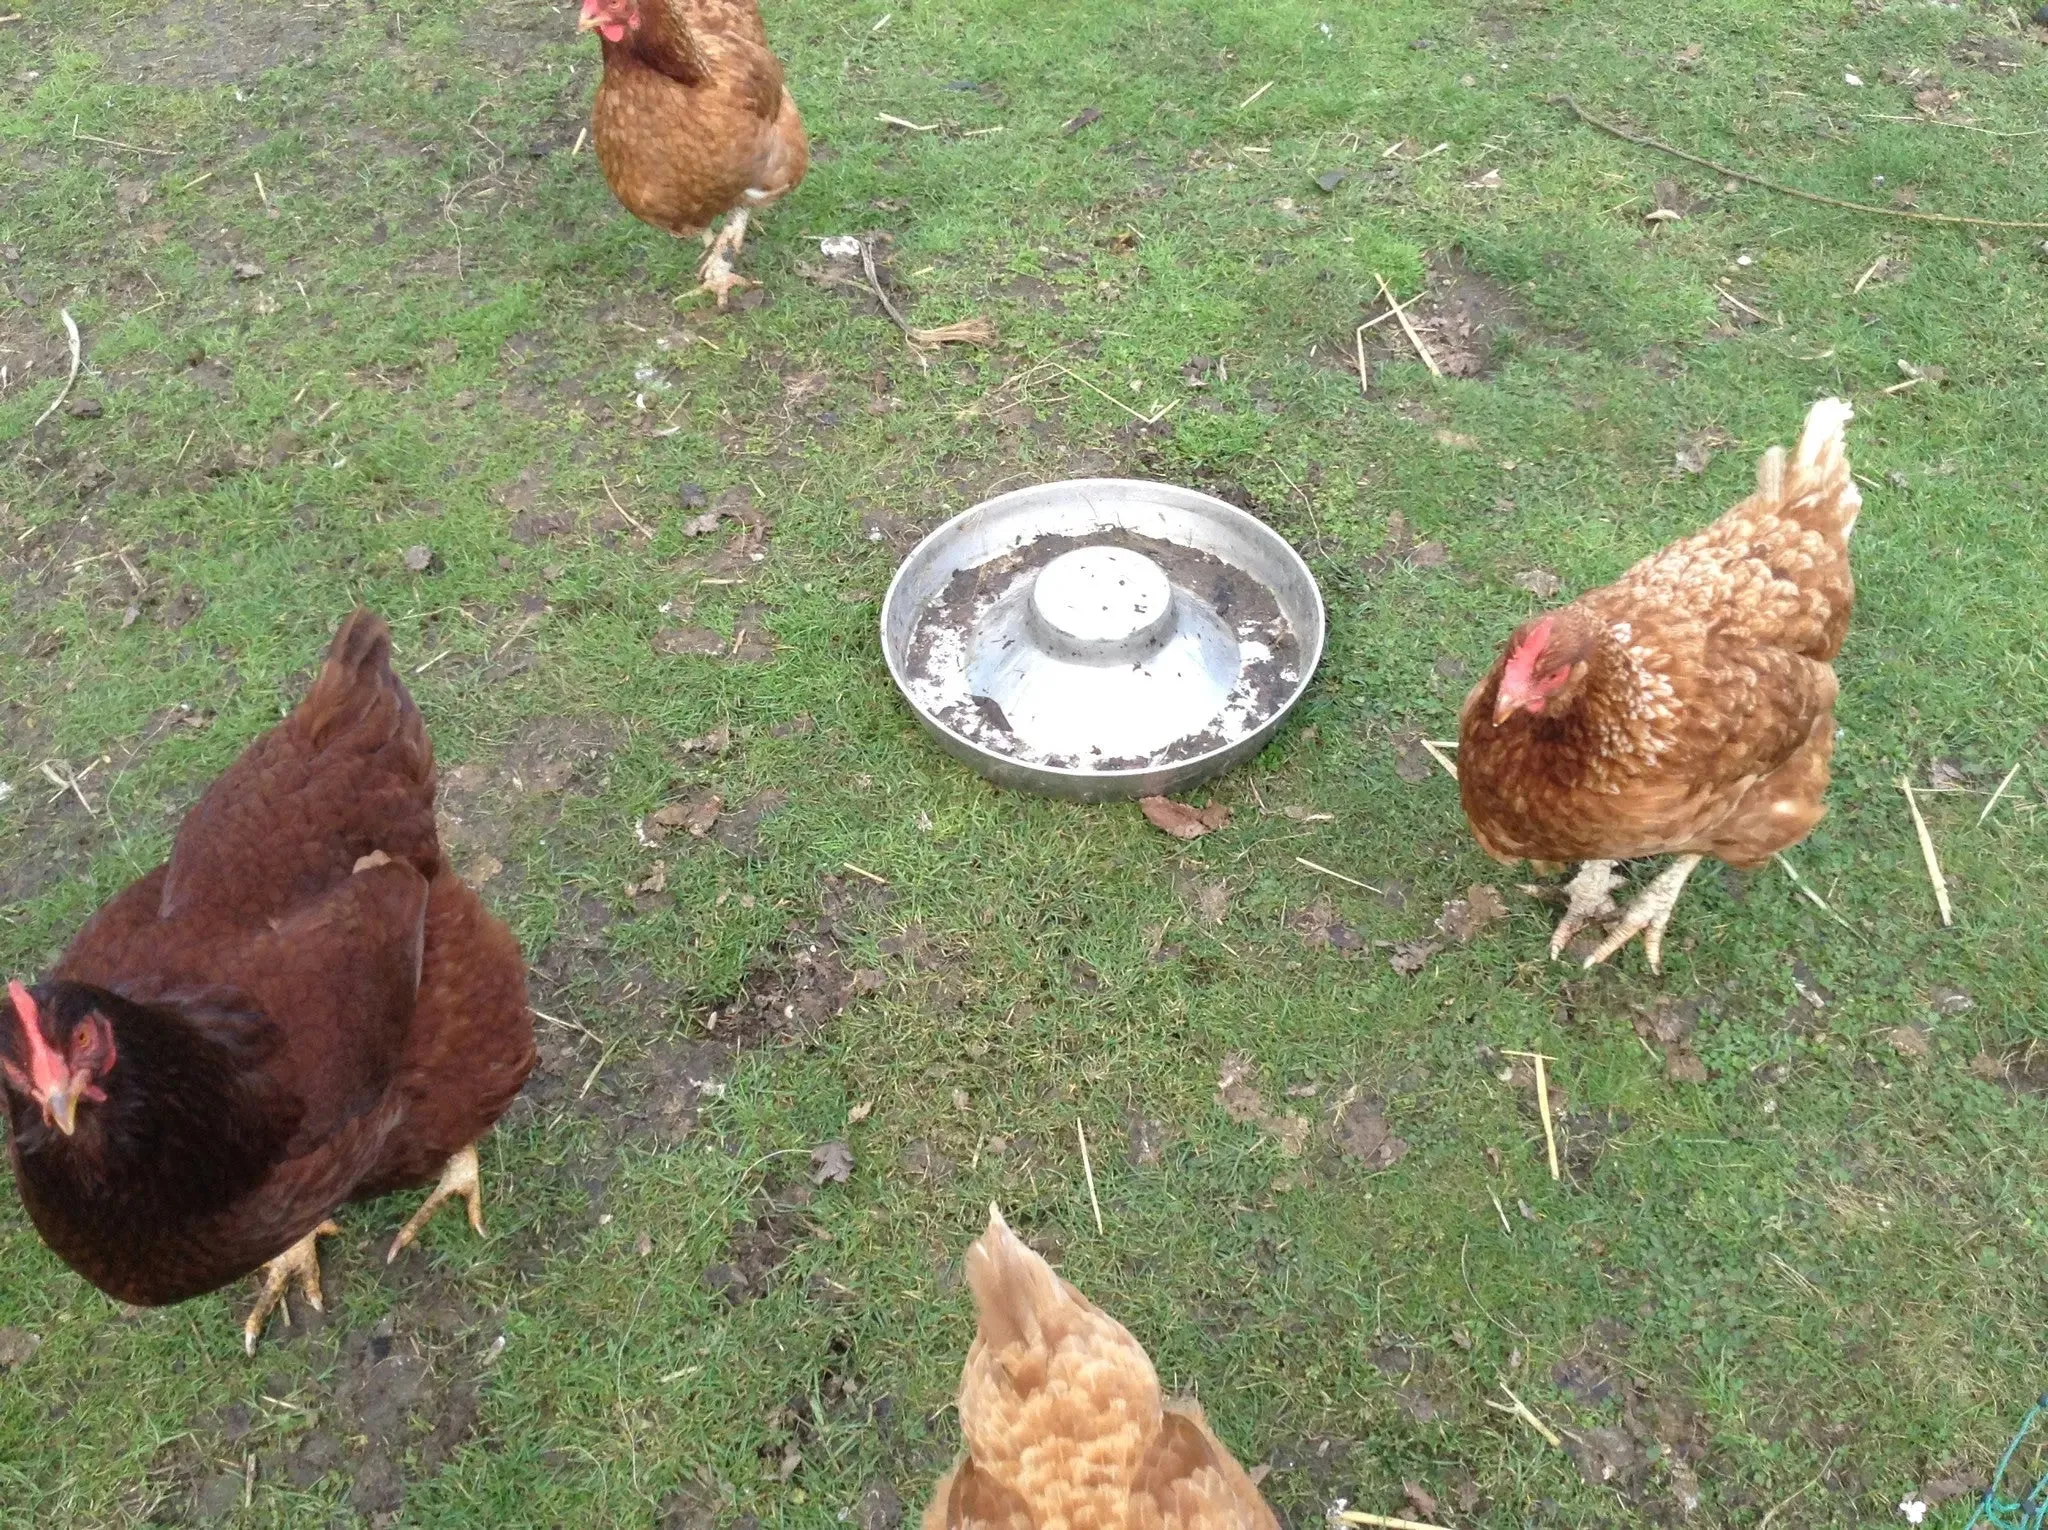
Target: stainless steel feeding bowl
[(1102, 637)]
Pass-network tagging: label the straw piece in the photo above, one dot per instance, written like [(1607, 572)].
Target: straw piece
[(1522, 1411), (1543, 1107), (1927, 853), (1436, 753), (1387, 1521), (1088, 1169), (1997, 794), (1407, 328), (1302, 860)]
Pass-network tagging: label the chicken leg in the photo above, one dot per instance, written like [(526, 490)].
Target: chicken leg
[(716, 275), (300, 1261), (1592, 901), (462, 1176), (1649, 914)]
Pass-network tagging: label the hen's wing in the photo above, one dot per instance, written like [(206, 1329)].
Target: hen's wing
[(349, 772), (470, 1046)]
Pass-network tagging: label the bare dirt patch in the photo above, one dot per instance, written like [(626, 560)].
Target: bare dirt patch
[(210, 42)]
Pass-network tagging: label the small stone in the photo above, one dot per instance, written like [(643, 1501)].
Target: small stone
[(85, 409)]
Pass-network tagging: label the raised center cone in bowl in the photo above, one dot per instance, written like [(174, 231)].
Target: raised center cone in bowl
[(1101, 604)]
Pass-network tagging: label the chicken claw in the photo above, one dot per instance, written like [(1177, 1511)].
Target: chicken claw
[(1591, 902), (1649, 914), (301, 1260), (716, 275), (462, 1176)]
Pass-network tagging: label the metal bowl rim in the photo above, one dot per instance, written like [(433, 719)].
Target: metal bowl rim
[(1193, 763)]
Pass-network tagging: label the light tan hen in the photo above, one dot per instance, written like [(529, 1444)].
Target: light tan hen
[(1064, 1423)]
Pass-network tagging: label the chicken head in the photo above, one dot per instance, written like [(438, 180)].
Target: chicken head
[(610, 19), (64, 1051)]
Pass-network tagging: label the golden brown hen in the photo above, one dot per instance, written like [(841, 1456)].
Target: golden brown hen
[(1064, 1423), (1686, 709), (693, 121)]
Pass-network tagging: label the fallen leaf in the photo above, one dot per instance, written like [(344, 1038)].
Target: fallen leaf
[(1081, 119), (16, 1345), (1694, 458), (1363, 1134), (1330, 180), (860, 1112), (656, 881), (1949, 1001), (1290, 1133), (1689, 55), (1947, 775), (1682, 1065), (702, 815), (831, 1162), (1670, 1021), (245, 271), (1182, 821), (1320, 926), (1909, 1041), (1539, 582), (717, 741), (1419, 1498), (1486, 182), (1239, 1097), (1464, 918), (1411, 956)]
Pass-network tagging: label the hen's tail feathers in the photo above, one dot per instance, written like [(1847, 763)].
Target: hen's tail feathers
[(1815, 485), (357, 689)]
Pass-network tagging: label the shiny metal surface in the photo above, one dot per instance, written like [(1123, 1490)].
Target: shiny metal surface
[(1102, 638)]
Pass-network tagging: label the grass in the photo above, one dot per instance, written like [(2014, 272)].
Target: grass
[(1812, 1280)]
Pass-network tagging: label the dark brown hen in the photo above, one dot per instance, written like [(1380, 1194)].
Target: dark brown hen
[(302, 1006)]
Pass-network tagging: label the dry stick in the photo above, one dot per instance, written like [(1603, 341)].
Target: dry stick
[(1967, 127), (976, 331), (862, 871), (1088, 1169), (1436, 753), (115, 143), (634, 521), (1997, 794), (1760, 317), (1408, 329), (71, 329), (1247, 101), (1911, 216), (1811, 896), (1927, 853), (1388, 1521), (1358, 338), (1501, 1212), (1543, 1106), (915, 127), (1864, 280), (1300, 860), (1522, 1411)]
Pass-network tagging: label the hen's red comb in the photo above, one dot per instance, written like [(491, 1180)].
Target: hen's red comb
[(46, 1066)]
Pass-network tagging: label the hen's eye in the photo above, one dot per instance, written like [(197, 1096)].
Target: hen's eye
[(81, 1034)]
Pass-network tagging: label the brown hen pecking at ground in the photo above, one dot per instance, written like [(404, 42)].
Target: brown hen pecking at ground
[(1686, 709), (302, 1006), (1064, 1423), (693, 121)]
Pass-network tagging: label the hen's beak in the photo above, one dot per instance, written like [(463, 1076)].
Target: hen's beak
[(60, 1105), (1506, 703), (587, 22)]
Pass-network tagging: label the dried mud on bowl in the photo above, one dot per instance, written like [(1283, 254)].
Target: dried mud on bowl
[(937, 658)]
